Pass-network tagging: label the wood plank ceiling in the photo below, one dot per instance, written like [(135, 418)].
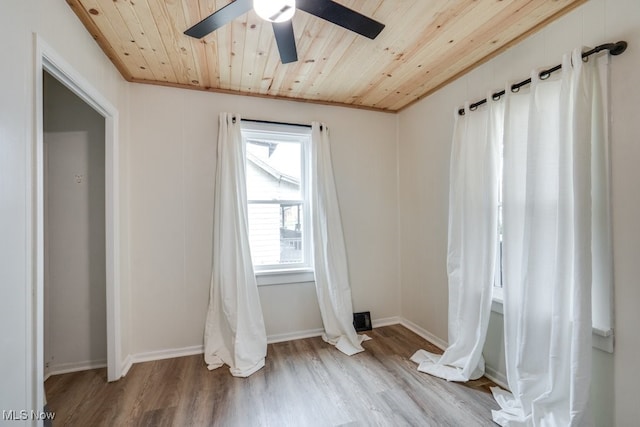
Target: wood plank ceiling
[(425, 45)]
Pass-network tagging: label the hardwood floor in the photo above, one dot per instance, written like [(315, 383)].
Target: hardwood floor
[(304, 383)]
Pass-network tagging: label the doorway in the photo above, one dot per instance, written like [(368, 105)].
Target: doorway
[(47, 59), (75, 331)]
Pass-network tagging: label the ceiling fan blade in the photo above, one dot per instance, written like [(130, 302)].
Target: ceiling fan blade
[(343, 16), (219, 18), (286, 41)]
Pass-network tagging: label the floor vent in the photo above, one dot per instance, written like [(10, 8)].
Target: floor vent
[(362, 321)]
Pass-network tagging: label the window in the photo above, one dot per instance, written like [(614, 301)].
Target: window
[(519, 116), (277, 164)]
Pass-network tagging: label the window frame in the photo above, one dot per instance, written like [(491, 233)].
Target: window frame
[(273, 274)]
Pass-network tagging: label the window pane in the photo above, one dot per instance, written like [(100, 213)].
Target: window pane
[(275, 233), (273, 170)]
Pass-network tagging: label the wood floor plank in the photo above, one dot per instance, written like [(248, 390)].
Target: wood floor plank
[(304, 383)]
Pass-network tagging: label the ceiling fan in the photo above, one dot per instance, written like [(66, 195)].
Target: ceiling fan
[(280, 12)]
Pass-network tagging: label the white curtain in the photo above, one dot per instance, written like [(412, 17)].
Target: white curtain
[(554, 149), (234, 330), (329, 253), (473, 234)]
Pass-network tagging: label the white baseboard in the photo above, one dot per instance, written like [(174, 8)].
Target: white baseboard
[(310, 333), (386, 321), (440, 343), (291, 336), (66, 368), (497, 377), (150, 356), (127, 363)]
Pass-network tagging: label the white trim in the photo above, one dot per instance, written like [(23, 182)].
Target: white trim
[(35, 249), (284, 277), (282, 133), (602, 332), (47, 59), (310, 333), (34, 355), (127, 364), (386, 321), (602, 339), (65, 368), (291, 336), (496, 305), (150, 356), (496, 376), (441, 344)]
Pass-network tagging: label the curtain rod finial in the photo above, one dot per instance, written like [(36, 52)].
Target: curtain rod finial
[(618, 48)]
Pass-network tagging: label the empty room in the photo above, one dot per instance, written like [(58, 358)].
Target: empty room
[(319, 213)]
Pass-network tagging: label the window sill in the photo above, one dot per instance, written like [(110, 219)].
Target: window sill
[(284, 277), (496, 301), (602, 338)]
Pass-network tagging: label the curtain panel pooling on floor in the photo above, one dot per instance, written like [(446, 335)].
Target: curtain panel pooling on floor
[(234, 330), (472, 244), (329, 252), (556, 243)]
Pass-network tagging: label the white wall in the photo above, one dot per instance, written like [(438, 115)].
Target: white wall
[(172, 167), (54, 21), (424, 146), (75, 271)]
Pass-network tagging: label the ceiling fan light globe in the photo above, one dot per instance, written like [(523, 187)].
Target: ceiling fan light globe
[(275, 10)]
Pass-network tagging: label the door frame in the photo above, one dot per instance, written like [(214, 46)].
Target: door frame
[(47, 59)]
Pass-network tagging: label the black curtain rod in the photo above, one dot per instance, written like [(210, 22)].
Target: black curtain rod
[(613, 48), (276, 123)]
